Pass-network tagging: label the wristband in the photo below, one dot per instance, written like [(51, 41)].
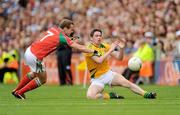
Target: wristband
[(95, 52)]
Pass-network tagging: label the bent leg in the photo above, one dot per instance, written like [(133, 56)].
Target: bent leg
[(95, 92), (33, 84), (42, 77), (26, 79)]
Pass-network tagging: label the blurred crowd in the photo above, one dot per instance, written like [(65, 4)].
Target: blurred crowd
[(21, 22)]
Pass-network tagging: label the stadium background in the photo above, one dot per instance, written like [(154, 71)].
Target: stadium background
[(22, 21)]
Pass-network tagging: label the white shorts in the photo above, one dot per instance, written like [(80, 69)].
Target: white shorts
[(31, 60), (103, 79)]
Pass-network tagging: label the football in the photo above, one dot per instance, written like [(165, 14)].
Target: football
[(134, 63)]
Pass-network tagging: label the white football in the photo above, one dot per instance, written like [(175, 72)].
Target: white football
[(134, 64)]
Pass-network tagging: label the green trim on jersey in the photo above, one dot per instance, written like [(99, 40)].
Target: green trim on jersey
[(62, 39), (102, 46), (91, 71), (93, 75)]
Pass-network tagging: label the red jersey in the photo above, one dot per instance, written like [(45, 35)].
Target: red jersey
[(49, 42)]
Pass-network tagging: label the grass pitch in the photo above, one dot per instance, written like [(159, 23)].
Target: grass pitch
[(71, 100)]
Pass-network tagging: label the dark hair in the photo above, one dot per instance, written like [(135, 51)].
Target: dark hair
[(66, 23), (95, 30)]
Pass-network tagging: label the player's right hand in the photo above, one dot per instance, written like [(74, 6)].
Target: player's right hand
[(114, 45)]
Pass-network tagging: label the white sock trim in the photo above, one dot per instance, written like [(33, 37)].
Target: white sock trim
[(38, 82)]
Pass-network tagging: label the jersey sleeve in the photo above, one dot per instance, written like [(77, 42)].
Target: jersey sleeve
[(107, 46), (89, 54), (65, 39)]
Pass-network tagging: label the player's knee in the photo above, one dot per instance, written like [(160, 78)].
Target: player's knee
[(91, 96), (44, 81), (42, 78)]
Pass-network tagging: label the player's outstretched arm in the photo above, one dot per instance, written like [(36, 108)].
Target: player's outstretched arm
[(81, 48), (120, 52)]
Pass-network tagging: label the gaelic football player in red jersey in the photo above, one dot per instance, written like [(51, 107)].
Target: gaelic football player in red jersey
[(35, 53)]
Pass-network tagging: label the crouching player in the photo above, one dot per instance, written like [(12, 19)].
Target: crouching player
[(100, 72), (35, 53)]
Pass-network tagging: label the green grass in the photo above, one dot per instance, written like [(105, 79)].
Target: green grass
[(67, 100)]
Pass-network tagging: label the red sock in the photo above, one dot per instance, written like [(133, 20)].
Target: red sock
[(26, 79), (33, 84)]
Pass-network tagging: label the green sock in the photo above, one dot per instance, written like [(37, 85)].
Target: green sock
[(111, 95), (146, 95)]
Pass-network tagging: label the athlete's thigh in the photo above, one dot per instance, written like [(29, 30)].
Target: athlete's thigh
[(94, 89), (119, 80), (35, 65)]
